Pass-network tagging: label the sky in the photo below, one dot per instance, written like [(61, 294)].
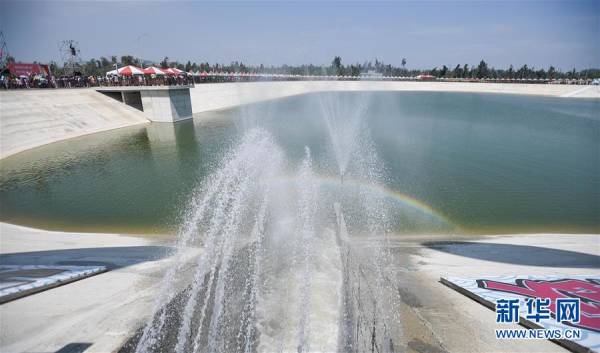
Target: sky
[(565, 34)]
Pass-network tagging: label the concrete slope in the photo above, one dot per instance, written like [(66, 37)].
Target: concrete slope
[(584, 92), (101, 311), (215, 96), (31, 118)]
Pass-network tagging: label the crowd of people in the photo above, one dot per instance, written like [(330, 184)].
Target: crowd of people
[(8, 81), (25, 81)]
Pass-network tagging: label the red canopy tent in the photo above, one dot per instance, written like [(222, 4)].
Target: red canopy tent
[(169, 71), (152, 70), (173, 71), (130, 70)]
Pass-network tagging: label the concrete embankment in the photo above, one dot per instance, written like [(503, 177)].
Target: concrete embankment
[(31, 118), (217, 96)]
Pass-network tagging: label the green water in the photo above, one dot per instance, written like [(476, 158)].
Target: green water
[(485, 163)]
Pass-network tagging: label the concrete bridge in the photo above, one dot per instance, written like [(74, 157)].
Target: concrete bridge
[(159, 103)]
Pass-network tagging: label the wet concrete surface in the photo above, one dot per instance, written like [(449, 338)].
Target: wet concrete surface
[(99, 314)]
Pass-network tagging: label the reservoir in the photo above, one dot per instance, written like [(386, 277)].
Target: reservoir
[(465, 163)]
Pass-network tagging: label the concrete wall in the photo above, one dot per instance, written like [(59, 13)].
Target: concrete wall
[(207, 97), (31, 118), (167, 105), (133, 99)]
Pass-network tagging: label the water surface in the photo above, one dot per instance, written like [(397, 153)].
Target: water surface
[(480, 163)]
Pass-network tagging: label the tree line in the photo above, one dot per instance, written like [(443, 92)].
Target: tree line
[(483, 70), (99, 67)]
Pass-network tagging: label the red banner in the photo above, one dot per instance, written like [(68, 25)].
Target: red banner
[(26, 69)]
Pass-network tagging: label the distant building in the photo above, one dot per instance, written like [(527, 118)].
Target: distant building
[(426, 77)]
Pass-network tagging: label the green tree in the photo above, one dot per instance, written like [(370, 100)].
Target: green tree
[(129, 60), (523, 72), (92, 68), (482, 70), (457, 72), (511, 72), (443, 71), (336, 64), (55, 69), (165, 62), (551, 72)]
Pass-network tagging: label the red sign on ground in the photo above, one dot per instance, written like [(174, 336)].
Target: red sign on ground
[(548, 290), (588, 290)]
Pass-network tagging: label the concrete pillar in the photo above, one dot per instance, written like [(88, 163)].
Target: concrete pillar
[(168, 105)]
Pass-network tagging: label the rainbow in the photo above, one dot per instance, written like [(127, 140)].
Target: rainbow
[(403, 199)]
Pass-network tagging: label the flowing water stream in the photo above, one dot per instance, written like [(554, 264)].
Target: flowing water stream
[(275, 268)]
